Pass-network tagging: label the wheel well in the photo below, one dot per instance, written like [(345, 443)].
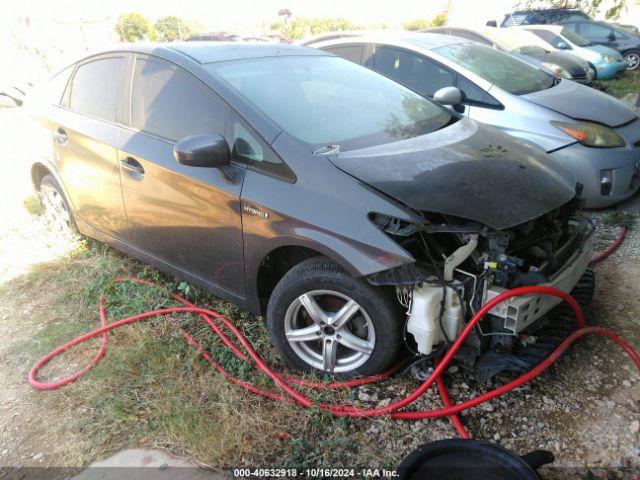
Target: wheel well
[(275, 265), (38, 172)]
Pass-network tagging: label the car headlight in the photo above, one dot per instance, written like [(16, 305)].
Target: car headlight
[(608, 58), (591, 134), (556, 69)]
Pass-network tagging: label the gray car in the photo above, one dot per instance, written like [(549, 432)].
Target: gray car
[(591, 133), (316, 192)]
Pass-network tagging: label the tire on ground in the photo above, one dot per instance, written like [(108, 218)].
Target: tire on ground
[(320, 273)]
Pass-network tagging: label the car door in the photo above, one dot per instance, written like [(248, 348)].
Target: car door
[(85, 139), (186, 218), (596, 33)]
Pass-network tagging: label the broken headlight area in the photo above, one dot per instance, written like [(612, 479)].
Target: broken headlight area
[(460, 265)]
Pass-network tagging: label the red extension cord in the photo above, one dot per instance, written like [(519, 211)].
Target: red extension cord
[(287, 383)]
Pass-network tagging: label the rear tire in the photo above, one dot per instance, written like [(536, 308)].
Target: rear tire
[(306, 327), (55, 207), (633, 57)]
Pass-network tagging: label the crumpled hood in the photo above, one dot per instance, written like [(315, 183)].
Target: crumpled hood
[(583, 103), (467, 170)]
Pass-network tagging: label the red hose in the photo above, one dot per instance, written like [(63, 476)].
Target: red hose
[(290, 394), (609, 250), (286, 382)]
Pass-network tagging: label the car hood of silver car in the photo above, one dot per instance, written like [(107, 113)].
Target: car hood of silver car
[(583, 103), (466, 170)]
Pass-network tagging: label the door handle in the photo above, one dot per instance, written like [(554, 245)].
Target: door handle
[(60, 136), (132, 166)]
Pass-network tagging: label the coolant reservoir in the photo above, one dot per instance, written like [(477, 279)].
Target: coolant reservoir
[(424, 315)]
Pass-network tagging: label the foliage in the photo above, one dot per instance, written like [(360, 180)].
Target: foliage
[(134, 27), (172, 28), (591, 7), (422, 23), (306, 27)]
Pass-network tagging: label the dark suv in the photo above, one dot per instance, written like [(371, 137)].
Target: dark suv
[(314, 191), (601, 33), (543, 16)]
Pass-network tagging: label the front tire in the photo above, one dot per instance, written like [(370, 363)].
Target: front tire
[(633, 57), (325, 321)]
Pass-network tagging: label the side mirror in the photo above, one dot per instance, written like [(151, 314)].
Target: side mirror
[(448, 96), (563, 46), (492, 23), (203, 150), (612, 36)]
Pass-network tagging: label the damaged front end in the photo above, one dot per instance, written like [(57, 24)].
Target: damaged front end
[(461, 264)]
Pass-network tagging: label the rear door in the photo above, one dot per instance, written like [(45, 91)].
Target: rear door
[(185, 217), (85, 138)]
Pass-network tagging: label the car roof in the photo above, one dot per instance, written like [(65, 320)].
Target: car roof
[(424, 40), (212, 52)]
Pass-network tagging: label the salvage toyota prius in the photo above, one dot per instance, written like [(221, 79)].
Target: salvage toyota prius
[(361, 219)]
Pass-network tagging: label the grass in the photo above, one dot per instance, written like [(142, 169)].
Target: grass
[(620, 87)]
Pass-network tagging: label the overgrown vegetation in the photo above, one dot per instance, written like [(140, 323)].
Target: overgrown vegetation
[(135, 27)]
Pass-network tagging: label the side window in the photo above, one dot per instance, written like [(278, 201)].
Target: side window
[(96, 88), (414, 71), (168, 102), (476, 95), (350, 52), (595, 32), (250, 149)]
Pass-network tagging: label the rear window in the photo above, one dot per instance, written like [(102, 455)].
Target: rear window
[(96, 88), (503, 70), (331, 101)]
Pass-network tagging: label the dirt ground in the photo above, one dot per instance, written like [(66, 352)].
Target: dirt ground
[(585, 409)]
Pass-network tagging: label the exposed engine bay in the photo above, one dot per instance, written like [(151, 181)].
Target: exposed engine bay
[(460, 265)]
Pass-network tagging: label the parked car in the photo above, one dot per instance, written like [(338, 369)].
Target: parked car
[(528, 48), (314, 191), (602, 33), (590, 132), (543, 16), (606, 62)]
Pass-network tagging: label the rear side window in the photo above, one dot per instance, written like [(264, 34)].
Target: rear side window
[(350, 52), (170, 103), (414, 71), (96, 88)]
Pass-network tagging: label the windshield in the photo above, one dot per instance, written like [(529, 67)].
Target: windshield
[(575, 38), (331, 101), (501, 69)]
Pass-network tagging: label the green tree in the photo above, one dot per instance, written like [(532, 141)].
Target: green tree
[(306, 27), (133, 27), (422, 23), (592, 7), (418, 24), (172, 28)]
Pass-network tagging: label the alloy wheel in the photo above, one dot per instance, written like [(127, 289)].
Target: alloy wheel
[(55, 209), (329, 331), (633, 59)]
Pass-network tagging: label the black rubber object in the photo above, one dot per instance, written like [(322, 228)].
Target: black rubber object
[(464, 459), (322, 273)]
